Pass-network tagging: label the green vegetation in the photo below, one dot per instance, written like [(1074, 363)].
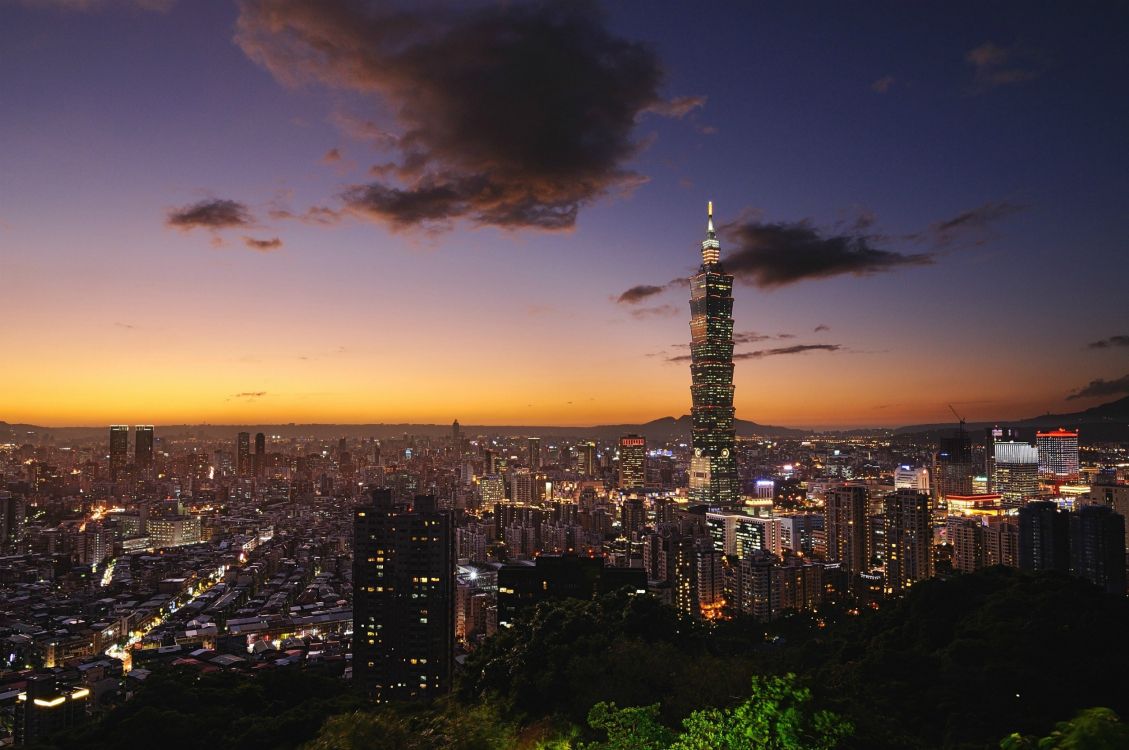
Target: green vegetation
[(956, 664)]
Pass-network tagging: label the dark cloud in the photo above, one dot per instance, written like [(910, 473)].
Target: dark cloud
[(249, 394), (773, 255), (998, 66), (883, 84), (972, 224), (511, 115), (213, 213), (1111, 342), (796, 349), (1102, 388), (821, 327), (263, 246), (332, 156), (752, 337), (91, 5), (637, 294)]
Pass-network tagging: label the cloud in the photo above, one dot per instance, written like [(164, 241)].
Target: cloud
[(249, 395), (883, 84), (637, 294), (821, 327), (1111, 342), (752, 337), (332, 156), (509, 115), (1102, 388), (774, 255), (782, 350), (975, 222), (315, 215), (997, 66), (660, 311), (263, 246), (678, 107), (92, 5), (213, 213)]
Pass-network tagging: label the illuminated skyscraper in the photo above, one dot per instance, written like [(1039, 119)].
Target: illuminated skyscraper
[(1058, 454), (632, 462), (119, 449), (847, 538), (586, 459), (143, 449), (909, 540), (713, 467), (1015, 471)]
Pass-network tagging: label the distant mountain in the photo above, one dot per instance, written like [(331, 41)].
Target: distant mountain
[(669, 428), (1105, 423)]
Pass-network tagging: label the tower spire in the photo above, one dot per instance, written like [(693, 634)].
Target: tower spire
[(711, 248)]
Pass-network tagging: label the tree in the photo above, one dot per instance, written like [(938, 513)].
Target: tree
[(1090, 729), (629, 728)]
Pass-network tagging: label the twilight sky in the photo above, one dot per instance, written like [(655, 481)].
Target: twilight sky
[(338, 211)]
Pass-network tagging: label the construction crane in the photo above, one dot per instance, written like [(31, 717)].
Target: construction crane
[(959, 417)]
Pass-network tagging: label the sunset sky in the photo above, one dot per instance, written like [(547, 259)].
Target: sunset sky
[(335, 211)]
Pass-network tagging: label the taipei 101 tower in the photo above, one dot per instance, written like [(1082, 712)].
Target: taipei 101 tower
[(713, 468)]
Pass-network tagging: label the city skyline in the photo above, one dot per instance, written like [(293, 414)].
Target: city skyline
[(204, 222)]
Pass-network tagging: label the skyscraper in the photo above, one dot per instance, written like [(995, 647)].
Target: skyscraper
[(259, 463), (119, 450), (1015, 471), (713, 467), (534, 444), (143, 449), (586, 459), (632, 462), (1044, 537), (954, 472), (847, 536), (1058, 454), (1097, 547), (404, 600), (909, 540), (243, 455)]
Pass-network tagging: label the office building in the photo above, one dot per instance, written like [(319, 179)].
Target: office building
[(403, 598), (1044, 538), (909, 540), (954, 471), (243, 455), (143, 450), (13, 515), (119, 450), (533, 451), (632, 463), (259, 462), (1015, 472), (713, 465), (586, 459), (1058, 455), (911, 478)]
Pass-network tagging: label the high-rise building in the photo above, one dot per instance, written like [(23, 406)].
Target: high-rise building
[(243, 455), (586, 459), (846, 525), (993, 435), (456, 435), (492, 490), (967, 537), (533, 448), (259, 463), (119, 450), (632, 462), (1097, 547), (521, 486), (954, 469), (143, 449), (46, 708), (911, 478), (1015, 471), (1058, 455), (1044, 537), (403, 599), (909, 540), (713, 466), (13, 513)]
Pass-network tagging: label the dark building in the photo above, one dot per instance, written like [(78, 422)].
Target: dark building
[(847, 534), (534, 450), (1097, 547), (143, 449), (13, 516), (259, 463), (713, 467), (1044, 537), (46, 708), (243, 455), (954, 469), (119, 450), (909, 540), (403, 598), (560, 577)]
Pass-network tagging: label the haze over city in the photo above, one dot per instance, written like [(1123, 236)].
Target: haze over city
[(205, 216)]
